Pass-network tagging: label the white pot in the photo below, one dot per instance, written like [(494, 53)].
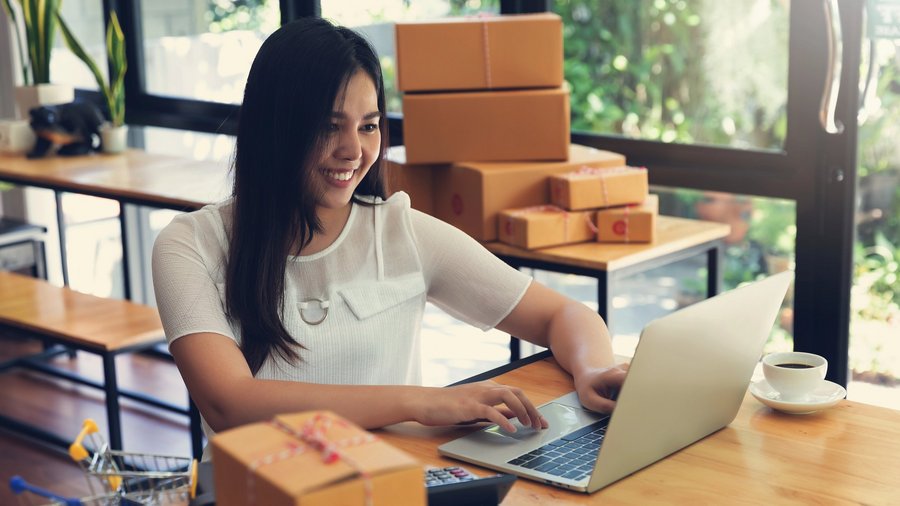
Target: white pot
[(114, 139), (29, 97)]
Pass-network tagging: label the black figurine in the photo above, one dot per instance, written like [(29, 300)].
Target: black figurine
[(69, 129)]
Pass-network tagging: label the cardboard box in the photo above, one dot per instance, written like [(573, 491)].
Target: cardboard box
[(634, 223), (543, 226), (288, 461), (486, 126), (469, 195), (482, 53), (417, 180), (589, 188)]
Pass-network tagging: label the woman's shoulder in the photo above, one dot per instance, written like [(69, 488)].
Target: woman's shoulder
[(210, 221)]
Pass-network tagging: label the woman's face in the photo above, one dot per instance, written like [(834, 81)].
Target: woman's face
[(351, 143)]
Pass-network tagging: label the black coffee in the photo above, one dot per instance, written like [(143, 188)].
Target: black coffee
[(794, 365)]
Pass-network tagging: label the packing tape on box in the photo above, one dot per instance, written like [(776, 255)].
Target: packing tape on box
[(486, 56), (603, 172), (313, 435), (547, 208), (16, 136)]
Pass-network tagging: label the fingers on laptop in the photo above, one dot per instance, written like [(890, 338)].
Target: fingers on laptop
[(497, 403), (602, 389)]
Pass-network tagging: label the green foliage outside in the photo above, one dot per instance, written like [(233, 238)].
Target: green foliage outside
[(654, 70), (636, 68), (227, 15)]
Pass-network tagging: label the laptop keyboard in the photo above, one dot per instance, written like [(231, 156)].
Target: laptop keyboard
[(571, 456)]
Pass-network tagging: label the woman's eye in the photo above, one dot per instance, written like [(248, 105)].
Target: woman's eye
[(333, 127), (371, 127)]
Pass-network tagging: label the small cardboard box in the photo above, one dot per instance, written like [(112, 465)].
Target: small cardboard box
[(543, 226), (312, 458), (469, 195), (590, 188), (491, 52), (633, 223), (486, 126), (417, 180)]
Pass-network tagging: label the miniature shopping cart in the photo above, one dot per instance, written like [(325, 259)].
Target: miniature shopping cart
[(132, 478), (31, 495)]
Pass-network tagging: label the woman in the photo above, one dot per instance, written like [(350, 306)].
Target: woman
[(306, 289)]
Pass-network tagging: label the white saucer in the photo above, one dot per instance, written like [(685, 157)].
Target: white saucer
[(826, 395)]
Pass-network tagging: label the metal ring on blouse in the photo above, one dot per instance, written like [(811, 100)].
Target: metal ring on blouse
[(323, 306)]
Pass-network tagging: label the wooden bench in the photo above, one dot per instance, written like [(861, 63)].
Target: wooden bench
[(70, 320)]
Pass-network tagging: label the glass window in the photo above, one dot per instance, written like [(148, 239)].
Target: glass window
[(85, 19), (202, 49), (184, 143), (683, 71), (875, 296), (376, 19)]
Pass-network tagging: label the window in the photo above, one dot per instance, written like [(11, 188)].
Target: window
[(85, 19), (679, 71), (202, 49)]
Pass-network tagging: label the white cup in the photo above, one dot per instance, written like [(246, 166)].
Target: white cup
[(794, 374)]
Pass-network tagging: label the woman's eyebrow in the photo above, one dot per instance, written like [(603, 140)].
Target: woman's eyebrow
[(341, 115)]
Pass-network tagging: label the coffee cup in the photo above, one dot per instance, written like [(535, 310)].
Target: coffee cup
[(794, 374)]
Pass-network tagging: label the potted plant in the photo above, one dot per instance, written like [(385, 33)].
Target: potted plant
[(113, 134), (39, 23)]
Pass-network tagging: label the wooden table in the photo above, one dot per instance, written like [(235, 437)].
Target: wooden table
[(677, 239), (848, 454), (134, 177)]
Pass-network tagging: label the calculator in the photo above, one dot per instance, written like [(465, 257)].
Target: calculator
[(455, 485)]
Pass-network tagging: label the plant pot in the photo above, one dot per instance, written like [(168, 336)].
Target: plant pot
[(113, 139), (29, 97)]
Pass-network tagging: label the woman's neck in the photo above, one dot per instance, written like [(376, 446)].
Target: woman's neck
[(333, 222)]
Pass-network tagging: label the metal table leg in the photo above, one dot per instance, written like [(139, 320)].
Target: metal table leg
[(113, 411)]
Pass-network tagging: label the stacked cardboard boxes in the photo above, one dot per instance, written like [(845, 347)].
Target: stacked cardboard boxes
[(486, 118), (487, 89), (610, 204)]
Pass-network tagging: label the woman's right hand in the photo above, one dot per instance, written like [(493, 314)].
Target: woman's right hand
[(476, 402)]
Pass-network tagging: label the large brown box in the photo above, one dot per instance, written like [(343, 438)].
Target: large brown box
[(510, 51), (417, 180), (469, 195), (588, 188), (486, 126), (632, 223), (543, 226), (288, 462)]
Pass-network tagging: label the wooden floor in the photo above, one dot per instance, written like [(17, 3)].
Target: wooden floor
[(60, 407)]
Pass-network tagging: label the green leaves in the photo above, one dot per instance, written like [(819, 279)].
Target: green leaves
[(39, 17), (114, 91)]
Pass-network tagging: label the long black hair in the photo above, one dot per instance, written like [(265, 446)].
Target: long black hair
[(291, 89)]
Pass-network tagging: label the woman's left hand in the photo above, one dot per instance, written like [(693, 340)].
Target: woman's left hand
[(598, 388)]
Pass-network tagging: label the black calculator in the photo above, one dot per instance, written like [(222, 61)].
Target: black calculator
[(454, 485)]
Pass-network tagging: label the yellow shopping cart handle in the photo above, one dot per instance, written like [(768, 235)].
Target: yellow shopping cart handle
[(77, 450)]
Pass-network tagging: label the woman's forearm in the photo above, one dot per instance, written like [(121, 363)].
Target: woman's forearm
[(579, 339), (253, 400)]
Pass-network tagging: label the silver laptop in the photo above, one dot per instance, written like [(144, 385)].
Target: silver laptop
[(687, 380)]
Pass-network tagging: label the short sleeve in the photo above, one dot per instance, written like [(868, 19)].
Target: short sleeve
[(465, 279), (190, 300)]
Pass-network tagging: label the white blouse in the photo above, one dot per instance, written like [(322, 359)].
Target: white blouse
[(374, 279)]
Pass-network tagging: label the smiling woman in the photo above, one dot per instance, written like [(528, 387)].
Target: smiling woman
[(307, 289)]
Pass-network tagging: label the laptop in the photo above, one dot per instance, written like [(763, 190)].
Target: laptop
[(687, 379)]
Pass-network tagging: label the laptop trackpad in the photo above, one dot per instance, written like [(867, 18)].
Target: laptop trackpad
[(563, 419), (493, 446)]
